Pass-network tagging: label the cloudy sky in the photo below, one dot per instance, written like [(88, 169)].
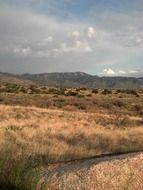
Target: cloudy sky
[(98, 37)]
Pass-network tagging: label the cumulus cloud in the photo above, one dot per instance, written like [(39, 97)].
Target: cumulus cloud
[(78, 44), (132, 72), (23, 51), (88, 49), (122, 72), (91, 32), (109, 72), (44, 43), (77, 47), (74, 34), (48, 39), (82, 46)]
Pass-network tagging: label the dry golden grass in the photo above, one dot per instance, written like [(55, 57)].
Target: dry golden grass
[(32, 137), (83, 100), (61, 135), (122, 174)]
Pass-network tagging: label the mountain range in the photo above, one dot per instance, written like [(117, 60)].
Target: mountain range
[(74, 79)]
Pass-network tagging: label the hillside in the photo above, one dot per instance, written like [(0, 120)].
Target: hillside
[(9, 78), (74, 79)]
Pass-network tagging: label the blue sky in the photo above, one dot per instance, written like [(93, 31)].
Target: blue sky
[(99, 37)]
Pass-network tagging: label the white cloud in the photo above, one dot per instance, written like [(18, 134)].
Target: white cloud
[(23, 51), (26, 51), (91, 32), (64, 48), (139, 40), (78, 44), (132, 28), (111, 72), (23, 32), (48, 39), (83, 46), (74, 34), (122, 72), (17, 50), (108, 72), (77, 47), (88, 49), (132, 72)]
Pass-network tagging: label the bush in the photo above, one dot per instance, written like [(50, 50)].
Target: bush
[(56, 91), (80, 96), (80, 106), (44, 88), (95, 91), (52, 91), (1, 99), (132, 92), (23, 89), (119, 103), (138, 109), (119, 91), (11, 88), (89, 95), (71, 93), (83, 88), (62, 91), (106, 91)]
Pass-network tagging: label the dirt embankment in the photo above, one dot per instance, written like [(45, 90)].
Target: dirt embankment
[(123, 172)]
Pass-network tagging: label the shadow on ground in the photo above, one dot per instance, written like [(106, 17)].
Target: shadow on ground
[(9, 186)]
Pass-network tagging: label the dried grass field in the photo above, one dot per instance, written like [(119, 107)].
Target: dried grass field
[(40, 128)]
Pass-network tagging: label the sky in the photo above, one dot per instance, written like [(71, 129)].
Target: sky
[(97, 37)]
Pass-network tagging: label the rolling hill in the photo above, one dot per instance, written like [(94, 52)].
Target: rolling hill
[(9, 78), (74, 79)]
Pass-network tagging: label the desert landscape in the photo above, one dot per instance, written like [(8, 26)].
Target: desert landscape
[(71, 95), (50, 137)]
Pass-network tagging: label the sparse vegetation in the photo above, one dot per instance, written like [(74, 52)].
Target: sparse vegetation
[(71, 93), (95, 91), (106, 91), (40, 125)]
